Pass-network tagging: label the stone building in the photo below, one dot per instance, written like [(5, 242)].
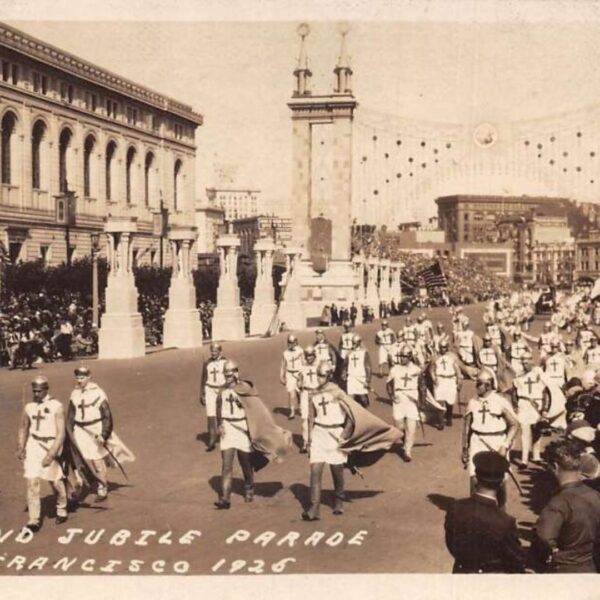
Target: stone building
[(80, 143), (236, 203), (279, 229)]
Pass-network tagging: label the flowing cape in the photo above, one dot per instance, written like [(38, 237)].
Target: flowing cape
[(370, 438), (269, 441), (469, 371)]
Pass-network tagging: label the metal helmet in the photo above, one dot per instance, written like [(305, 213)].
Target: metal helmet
[(406, 351), (40, 381), (215, 347), (444, 344), (292, 339), (356, 340), (325, 369), (485, 376), (384, 323), (310, 351), (487, 338), (230, 367)]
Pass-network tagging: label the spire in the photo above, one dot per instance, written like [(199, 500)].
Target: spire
[(343, 72), (302, 72)]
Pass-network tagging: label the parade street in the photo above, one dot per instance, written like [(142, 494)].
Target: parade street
[(393, 520)]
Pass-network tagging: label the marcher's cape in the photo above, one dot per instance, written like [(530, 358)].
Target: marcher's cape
[(370, 437), (269, 441)]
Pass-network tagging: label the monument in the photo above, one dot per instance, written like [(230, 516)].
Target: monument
[(291, 310), (121, 333), (228, 317), (321, 184), (182, 327)]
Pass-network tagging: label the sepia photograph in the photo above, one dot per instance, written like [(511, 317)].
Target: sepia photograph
[(297, 292)]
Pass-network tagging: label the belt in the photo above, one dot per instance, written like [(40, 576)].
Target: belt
[(328, 426), (86, 423), (215, 386), (232, 420), (42, 439), (448, 376), (531, 399), (503, 432), (292, 372)]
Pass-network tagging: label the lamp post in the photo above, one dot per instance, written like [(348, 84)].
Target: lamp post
[(95, 250)]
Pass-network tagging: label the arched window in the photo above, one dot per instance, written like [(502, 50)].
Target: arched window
[(148, 164), (64, 142), (37, 138), (111, 149), (177, 184), (88, 150), (8, 129), (129, 167)]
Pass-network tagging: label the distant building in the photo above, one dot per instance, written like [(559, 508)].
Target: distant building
[(587, 256), (236, 203), (210, 221), (251, 229)]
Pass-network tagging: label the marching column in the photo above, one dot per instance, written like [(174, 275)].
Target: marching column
[(121, 333), (228, 317), (372, 295), (290, 308), (182, 327), (263, 307)]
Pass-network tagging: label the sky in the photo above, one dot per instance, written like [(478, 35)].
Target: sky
[(239, 76)]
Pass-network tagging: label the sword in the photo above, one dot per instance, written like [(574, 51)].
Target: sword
[(512, 476), (114, 458)]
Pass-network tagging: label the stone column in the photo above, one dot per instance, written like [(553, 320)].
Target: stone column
[(263, 307), (395, 288), (182, 327), (290, 307), (228, 317), (372, 296), (358, 264), (121, 333), (384, 279)]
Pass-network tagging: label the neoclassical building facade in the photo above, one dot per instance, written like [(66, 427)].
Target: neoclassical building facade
[(79, 143)]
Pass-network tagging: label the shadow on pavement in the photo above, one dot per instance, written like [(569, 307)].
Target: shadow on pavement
[(302, 494), (442, 502), (265, 489)]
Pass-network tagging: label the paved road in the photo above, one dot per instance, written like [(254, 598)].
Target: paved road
[(398, 507)]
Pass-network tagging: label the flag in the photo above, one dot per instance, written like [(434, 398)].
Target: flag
[(433, 276)]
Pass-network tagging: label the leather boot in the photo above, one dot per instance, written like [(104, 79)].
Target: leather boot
[(312, 514), (337, 474), (212, 434), (248, 493), (449, 410)]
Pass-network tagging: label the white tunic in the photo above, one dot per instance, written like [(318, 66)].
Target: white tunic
[(357, 374), (556, 366), (406, 391), (233, 419), (42, 434), (309, 382), (465, 346), (327, 429), (446, 387), (488, 358), (346, 344), (215, 379), (88, 420), (322, 351), (384, 339), (530, 392), (293, 360)]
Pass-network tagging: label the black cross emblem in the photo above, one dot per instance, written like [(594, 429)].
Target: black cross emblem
[(406, 379), (354, 360), (323, 405), (443, 363), (214, 373), (484, 411), (37, 418), (530, 383), (554, 364), (232, 400), (293, 360), (310, 374), (82, 408)]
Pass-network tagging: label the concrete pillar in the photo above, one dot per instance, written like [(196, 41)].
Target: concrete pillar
[(121, 333), (358, 264), (372, 295), (228, 318), (395, 287), (290, 307), (384, 279), (263, 307), (182, 327)]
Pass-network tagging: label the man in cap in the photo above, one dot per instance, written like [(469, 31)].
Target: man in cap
[(568, 528), (307, 381), (90, 424), (384, 339), (447, 382), (293, 358), (212, 379), (481, 537), (40, 440), (531, 399), (357, 372), (405, 387), (329, 426), (490, 424)]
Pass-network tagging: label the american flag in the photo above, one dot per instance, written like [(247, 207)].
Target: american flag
[(434, 276)]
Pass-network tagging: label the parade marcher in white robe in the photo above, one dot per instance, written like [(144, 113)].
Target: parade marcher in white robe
[(357, 372), (90, 428), (490, 425), (293, 358), (40, 440), (213, 378), (447, 381), (307, 381), (384, 340)]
